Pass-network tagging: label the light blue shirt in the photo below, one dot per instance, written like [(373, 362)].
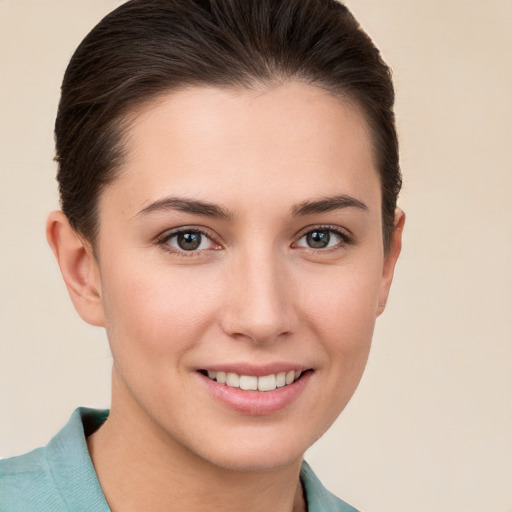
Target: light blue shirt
[(60, 476)]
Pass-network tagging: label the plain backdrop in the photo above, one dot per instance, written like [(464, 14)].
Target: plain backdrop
[(430, 427)]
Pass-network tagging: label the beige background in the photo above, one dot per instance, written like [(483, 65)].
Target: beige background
[(430, 427)]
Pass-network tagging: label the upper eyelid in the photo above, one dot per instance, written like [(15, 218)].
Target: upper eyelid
[(344, 232), (168, 233)]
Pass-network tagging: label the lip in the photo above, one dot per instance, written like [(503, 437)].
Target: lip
[(256, 403), (256, 371)]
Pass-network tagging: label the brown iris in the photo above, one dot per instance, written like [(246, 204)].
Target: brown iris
[(189, 240), (318, 239)]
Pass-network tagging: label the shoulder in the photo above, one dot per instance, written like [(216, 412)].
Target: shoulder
[(26, 483), (57, 477), (318, 497)]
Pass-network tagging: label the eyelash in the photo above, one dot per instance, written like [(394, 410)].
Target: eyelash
[(345, 237), (163, 240)]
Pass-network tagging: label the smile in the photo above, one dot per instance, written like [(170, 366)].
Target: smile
[(256, 390), (252, 382)]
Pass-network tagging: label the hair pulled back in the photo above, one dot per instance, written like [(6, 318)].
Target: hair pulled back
[(148, 47)]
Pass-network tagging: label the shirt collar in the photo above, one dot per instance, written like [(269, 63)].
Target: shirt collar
[(71, 464)]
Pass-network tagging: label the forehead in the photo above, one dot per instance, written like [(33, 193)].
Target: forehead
[(284, 142)]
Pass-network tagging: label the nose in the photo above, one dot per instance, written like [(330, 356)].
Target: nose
[(260, 299)]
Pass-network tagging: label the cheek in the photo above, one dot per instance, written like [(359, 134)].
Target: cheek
[(159, 308), (341, 320), (343, 304)]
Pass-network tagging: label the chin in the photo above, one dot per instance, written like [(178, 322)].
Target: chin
[(256, 461), (260, 450)]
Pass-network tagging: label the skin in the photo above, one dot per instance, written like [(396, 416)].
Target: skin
[(254, 293)]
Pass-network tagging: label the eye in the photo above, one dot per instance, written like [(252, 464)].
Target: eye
[(322, 238), (187, 240)]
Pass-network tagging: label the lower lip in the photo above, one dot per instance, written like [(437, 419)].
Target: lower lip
[(257, 403)]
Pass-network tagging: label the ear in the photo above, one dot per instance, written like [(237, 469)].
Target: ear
[(78, 266), (390, 259)]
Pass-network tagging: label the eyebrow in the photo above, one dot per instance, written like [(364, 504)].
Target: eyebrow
[(196, 207), (192, 206), (327, 204)]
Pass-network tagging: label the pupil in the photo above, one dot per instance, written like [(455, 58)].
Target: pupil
[(189, 241), (318, 239)]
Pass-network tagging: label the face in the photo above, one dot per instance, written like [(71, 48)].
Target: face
[(241, 247)]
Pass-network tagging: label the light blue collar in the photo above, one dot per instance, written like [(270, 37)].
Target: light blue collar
[(76, 479)]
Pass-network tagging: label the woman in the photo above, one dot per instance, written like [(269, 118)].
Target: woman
[(228, 175)]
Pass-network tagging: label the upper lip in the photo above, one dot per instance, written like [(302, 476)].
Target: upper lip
[(255, 370)]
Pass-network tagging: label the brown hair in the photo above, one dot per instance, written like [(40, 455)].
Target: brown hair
[(148, 47)]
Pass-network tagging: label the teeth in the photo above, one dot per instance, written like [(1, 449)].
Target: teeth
[(251, 382), (267, 383), (233, 380), (248, 382)]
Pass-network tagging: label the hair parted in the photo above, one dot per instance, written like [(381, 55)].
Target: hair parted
[(149, 47)]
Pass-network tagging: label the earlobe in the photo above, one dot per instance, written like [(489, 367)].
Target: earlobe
[(78, 266), (390, 259)]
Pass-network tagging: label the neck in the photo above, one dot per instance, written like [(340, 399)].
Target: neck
[(140, 468)]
